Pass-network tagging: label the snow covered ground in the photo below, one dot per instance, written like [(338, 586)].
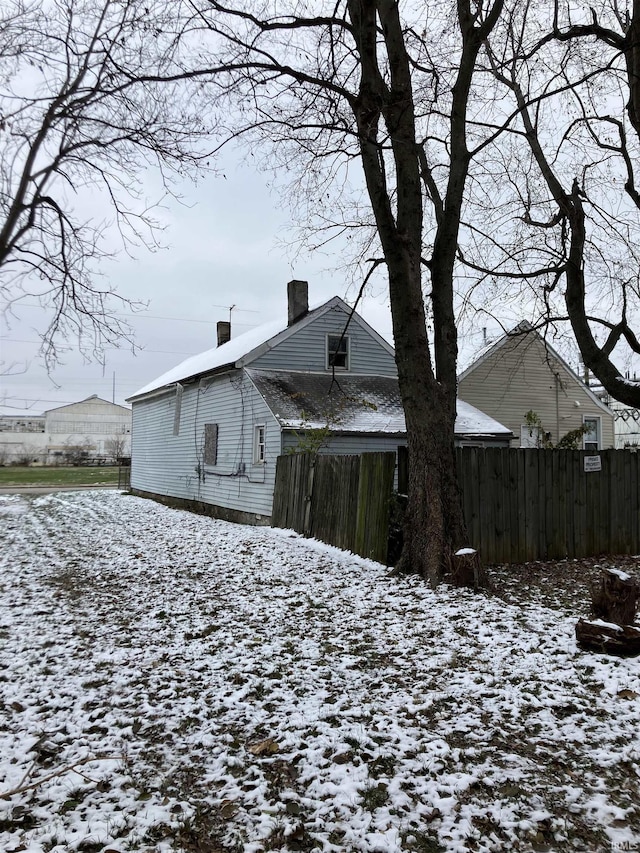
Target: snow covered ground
[(171, 683)]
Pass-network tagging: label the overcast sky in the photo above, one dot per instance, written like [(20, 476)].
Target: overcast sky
[(226, 246), (224, 250)]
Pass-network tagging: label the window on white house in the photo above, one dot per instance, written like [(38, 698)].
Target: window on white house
[(530, 436), (178, 409), (338, 352), (259, 454), (210, 444), (591, 438)]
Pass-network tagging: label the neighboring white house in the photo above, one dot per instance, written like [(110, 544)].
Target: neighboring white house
[(626, 424), (209, 431), (522, 372), (90, 429)]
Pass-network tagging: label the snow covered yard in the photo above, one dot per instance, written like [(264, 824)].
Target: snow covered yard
[(173, 683)]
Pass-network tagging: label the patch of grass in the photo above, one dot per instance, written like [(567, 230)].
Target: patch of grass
[(421, 843), (383, 765), (197, 635), (19, 820), (375, 797), (94, 684), (200, 833), (88, 845), (59, 476)]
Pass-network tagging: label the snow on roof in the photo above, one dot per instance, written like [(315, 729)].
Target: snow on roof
[(243, 348), (313, 400), (471, 421), (214, 358), (354, 404)]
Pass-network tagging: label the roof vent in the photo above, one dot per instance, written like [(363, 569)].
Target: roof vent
[(298, 300), (224, 332)]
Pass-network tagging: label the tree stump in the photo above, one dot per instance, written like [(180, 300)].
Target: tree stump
[(614, 597), (613, 603), (466, 570), (620, 640)]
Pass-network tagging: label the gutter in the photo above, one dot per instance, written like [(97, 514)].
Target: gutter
[(168, 389)]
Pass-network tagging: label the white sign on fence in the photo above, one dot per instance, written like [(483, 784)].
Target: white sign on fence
[(592, 463)]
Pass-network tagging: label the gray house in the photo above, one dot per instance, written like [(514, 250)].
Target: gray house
[(209, 431)]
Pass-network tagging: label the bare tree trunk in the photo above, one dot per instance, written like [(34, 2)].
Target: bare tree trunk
[(434, 525)]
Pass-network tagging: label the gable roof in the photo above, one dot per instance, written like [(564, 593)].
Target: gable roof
[(92, 398), (352, 404), (522, 330), (245, 348)]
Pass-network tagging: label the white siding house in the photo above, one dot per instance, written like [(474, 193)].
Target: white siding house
[(627, 425), (522, 372), (208, 432)]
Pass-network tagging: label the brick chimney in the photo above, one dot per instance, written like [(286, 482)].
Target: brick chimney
[(298, 300), (224, 332)]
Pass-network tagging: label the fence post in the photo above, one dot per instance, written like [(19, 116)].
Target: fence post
[(306, 526)]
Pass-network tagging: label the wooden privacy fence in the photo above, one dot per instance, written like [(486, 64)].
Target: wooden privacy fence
[(342, 500), (523, 505)]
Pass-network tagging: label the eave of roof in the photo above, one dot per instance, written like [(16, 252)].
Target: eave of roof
[(86, 400)]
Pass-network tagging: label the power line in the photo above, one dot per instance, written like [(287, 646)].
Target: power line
[(188, 319), (135, 314), (31, 400), (114, 349)]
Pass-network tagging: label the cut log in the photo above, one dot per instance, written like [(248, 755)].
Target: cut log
[(620, 640), (614, 597), (466, 569)]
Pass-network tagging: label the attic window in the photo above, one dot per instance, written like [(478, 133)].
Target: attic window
[(338, 352)]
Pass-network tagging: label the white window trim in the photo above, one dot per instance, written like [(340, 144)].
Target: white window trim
[(534, 436), (598, 421), (326, 356), (259, 447)]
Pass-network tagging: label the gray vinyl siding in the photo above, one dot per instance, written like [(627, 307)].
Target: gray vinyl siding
[(306, 348), (521, 375), (158, 458), (173, 465), (343, 445)]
